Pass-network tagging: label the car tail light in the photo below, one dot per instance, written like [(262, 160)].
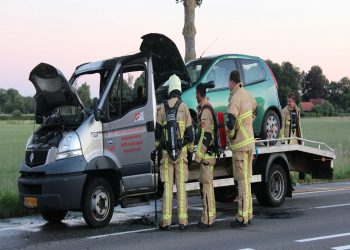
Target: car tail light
[(273, 76)]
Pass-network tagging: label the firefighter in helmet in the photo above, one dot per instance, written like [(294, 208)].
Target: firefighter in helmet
[(174, 136)]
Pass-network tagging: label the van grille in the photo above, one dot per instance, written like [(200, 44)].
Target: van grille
[(36, 158)]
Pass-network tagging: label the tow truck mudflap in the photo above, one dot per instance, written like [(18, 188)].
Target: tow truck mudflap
[(218, 183)]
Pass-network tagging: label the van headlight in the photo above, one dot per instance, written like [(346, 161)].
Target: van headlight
[(69, 146), (29, 142)]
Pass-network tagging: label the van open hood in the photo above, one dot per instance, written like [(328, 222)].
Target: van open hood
[(52, 90), (166, 58)]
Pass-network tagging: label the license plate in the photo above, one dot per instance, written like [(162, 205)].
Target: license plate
[(30, 202)]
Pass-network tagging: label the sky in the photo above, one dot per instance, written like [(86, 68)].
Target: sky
[(67, 33)]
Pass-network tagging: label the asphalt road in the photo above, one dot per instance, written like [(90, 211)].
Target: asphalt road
[(317, 217)]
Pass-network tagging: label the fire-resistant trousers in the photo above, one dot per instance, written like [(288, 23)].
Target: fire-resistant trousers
[(206, 179), (167, 170), (293, 141), (242, 172)]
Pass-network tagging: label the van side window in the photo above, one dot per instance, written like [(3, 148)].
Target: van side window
[(128, 91), (253, 71), (220, 73)]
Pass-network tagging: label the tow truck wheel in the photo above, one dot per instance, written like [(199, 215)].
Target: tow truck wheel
[(225, 194), (53, 216), (98, 202), (274, 191)]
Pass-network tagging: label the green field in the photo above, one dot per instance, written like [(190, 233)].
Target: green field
[(14, 135), (333, 131)]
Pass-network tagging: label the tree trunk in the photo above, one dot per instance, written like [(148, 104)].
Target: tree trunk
[(189, 30)]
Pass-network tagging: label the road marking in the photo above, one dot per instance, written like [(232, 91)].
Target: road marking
[(323, 237), (145, 230), (320, 191), (121, 233), (22, 227), (337, 205), (347, 247)]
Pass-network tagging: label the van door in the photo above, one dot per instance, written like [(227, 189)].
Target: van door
[(129, 131)]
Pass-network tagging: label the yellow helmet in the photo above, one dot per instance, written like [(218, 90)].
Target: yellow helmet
[(174, 83)]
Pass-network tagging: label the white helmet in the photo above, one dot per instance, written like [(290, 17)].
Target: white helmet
[(174, 83)]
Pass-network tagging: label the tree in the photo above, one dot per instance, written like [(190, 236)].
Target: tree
[(189, 29), (84, 94), (17, 103), (12, 101), (28, 107), (338, 93), (289, 81), (314, 84), (140, 82), (288, 78), (3, 99)]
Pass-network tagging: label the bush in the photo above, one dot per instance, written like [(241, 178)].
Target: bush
[(16, 114), (22, 117), (324, 109)]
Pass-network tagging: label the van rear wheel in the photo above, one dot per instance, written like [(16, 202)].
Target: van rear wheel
[(98, 202)]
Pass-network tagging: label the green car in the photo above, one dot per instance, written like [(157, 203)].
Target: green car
[(256, 77)]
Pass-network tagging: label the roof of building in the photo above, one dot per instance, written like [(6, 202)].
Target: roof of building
[(306, 106)]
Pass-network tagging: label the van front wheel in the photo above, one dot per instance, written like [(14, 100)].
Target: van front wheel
[(98, 202), (53, 216)]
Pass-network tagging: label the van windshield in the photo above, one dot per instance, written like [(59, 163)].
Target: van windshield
[(90, 85), (196, 69)]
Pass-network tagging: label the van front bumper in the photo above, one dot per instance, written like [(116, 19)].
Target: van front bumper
[(59, 191)]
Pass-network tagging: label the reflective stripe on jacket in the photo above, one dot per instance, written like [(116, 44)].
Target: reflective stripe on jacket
[(241, 105), (205, 128)]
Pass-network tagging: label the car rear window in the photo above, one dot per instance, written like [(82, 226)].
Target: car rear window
[(253, 71)]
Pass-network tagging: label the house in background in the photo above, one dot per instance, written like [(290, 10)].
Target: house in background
[(307, 106)]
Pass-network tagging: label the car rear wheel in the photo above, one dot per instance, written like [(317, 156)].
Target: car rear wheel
[(271, 126), (53, 216), (98, 202)]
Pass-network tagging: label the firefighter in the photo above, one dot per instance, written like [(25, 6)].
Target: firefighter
[(241, 140), (205, 156), (174, 161), (291, 121), (291, 125)]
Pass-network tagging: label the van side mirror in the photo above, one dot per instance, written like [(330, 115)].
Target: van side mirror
[(97, 112)]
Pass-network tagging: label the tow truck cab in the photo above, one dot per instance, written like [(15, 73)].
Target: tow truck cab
[(86, 159)]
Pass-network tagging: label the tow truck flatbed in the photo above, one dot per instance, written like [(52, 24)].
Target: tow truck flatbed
[(271, 169)]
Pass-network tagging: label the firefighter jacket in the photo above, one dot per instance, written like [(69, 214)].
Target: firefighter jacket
[(184, 121), (291, 123), (241, 106), (205, 133)]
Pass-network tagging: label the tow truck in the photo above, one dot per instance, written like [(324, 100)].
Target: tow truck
[(92, 159)]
